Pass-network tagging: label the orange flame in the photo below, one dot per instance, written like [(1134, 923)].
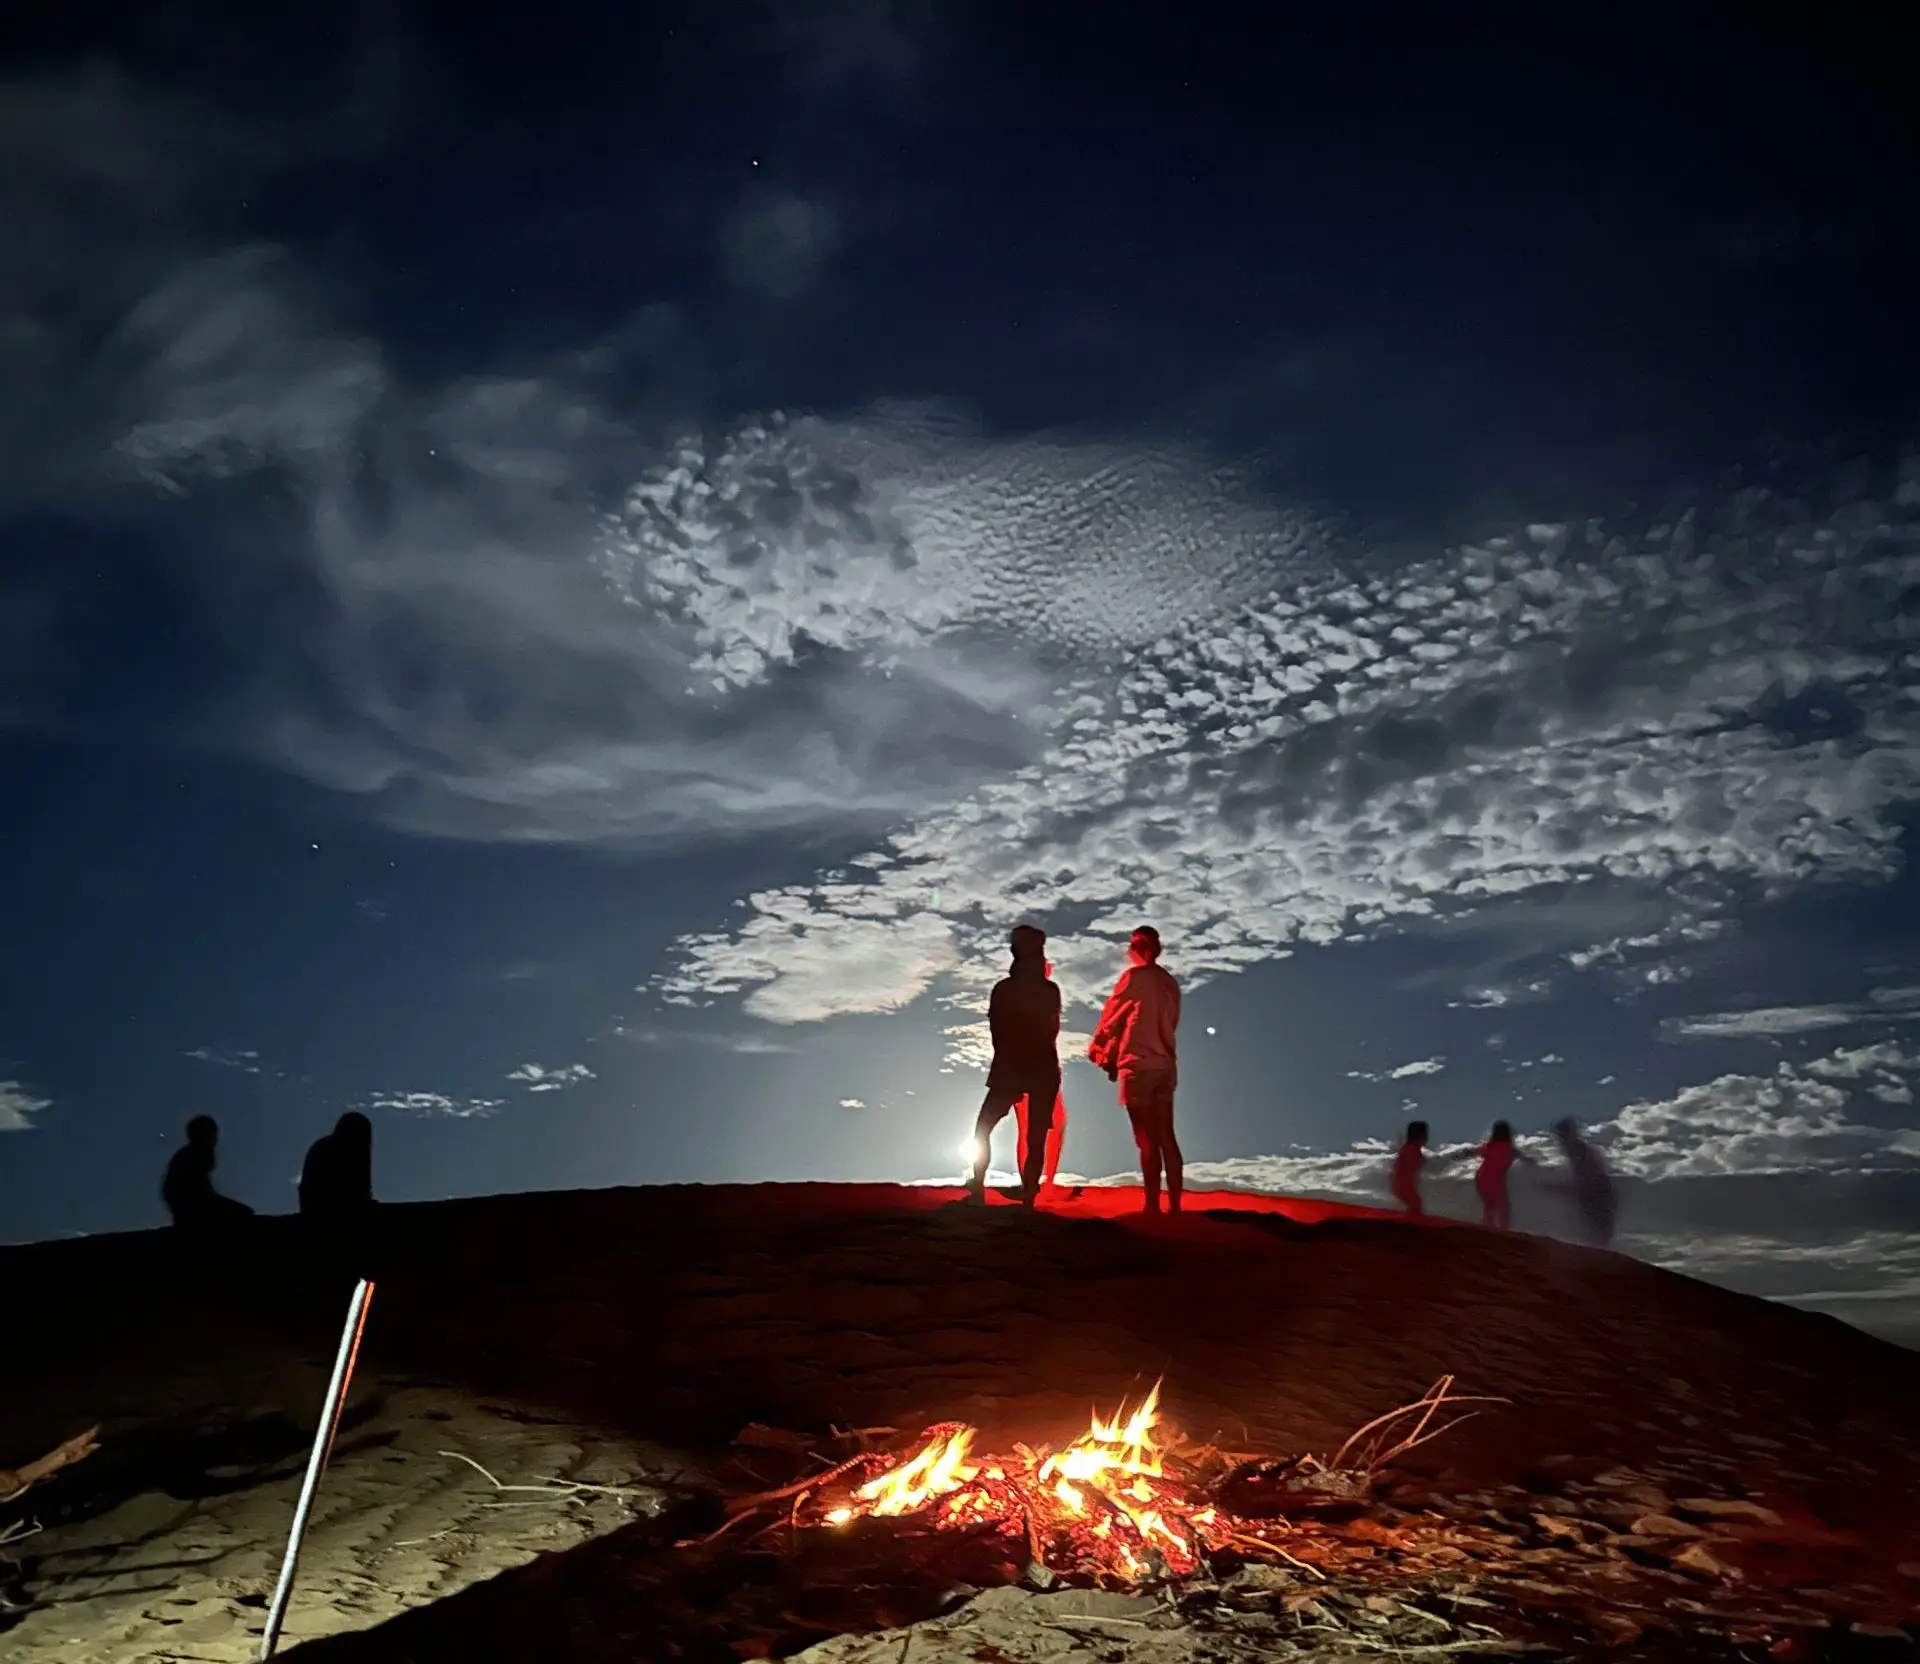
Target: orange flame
[(1106, 1503)]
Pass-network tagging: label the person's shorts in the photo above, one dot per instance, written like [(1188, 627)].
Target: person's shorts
[(1147, 1094), (1040, 1091)]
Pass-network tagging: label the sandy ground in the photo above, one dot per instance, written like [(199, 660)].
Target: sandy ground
[(622, 1338)]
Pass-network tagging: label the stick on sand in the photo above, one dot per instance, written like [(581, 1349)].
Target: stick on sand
[(317, 1460)]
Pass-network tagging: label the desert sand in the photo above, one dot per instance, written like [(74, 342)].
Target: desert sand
[(619, 1341)]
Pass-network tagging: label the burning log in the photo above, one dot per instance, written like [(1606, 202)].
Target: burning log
[(1127, 1503)]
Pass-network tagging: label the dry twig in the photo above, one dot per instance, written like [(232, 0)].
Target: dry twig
[(16, 1481), (549, 1490), (1440, 1394)]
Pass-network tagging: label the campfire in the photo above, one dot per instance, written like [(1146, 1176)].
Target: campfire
[(1130, 1501), (1108, 1504)]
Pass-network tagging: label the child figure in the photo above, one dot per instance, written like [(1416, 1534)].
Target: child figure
[(1407, 1163), (1497, 1157)]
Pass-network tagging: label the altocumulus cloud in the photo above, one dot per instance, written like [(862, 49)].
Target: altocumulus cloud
[(1693, 709)]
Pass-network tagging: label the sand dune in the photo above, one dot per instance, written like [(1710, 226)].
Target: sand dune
[(623, 1338)]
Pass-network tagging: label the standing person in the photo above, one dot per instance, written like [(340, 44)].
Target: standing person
[(188, 1189), (1023, 1018), (1497, 1157), (1589, 1182), (1408, 1161), (1134, 1043)]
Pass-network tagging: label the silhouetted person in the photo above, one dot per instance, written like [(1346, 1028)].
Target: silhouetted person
[(188, 1187), (1588, 1182), (1023, 1017), (1497, 1157), (1408, 1161), (1134, 1043), (336, 1184)]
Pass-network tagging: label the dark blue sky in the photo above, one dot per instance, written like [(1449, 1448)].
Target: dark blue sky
[(565, 584)]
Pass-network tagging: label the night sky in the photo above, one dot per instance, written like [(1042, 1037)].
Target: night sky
[(565, 583)]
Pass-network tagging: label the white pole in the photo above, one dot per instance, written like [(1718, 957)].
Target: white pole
[(317, 1460)]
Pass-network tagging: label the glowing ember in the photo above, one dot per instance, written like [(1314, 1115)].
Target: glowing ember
[(1114, 1503)]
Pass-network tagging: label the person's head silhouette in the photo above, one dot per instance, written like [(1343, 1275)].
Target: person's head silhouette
[(353, 1128), (203, 1132), (1029, 945)]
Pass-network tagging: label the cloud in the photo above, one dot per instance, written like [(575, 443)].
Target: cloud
[(499, 606), (120, 198), (436, 1103), (247, 1062), (1406, 1071), (538, 1078), (1425, 1066), (830, 626), (1882, 1005), (802, 973), (853, 1103), (1796, 1119), (19, 1107), (1676, 716)]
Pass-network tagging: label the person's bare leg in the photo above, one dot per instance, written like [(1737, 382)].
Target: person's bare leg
[(1149, 1159), (1170, 1155), (1030, 1174), (1056, 1139), (1023, 1109), (993, 1110)]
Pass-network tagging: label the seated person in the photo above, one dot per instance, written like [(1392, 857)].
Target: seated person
[(337, 1181), (188, 1187)]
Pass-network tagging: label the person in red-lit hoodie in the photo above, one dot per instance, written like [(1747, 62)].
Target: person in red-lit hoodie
[(1134, 1044)]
